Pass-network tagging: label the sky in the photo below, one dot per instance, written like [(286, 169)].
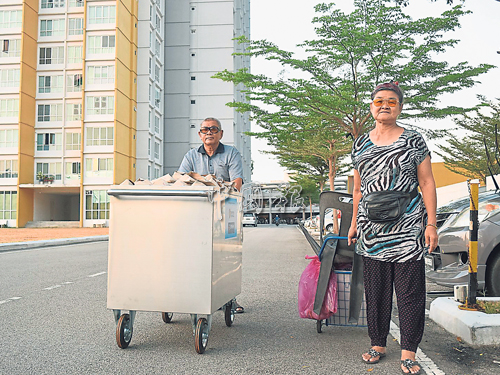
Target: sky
[(287, 23)]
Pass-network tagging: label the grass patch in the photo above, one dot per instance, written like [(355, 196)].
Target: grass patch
[(489, 307)]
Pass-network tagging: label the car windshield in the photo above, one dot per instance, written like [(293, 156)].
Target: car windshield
[(460, 204), (248, 215)]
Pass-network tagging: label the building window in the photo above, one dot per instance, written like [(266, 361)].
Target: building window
[(48, 141), (100, 44), (75, 3), (75, 26), (100, 105), (50, 169), (96, 204), (99, 136), (99, 167), (101, 74), (75, 54), (51, 55), (73, 112), (157, 125), (50, 84), (52, 27), (157, 150), (158, 23), (8, 205), (10, 47), (8, 138), (149, 172), (150, 65), (9, 107), (157, 172), (157, 97), (157, 48), (157, 73), (47, 4), (11, 18), (9, 77), (74, 82), (49, 112), (149, 147), (73, 141), (8, 169), (72, 171), (102, 14)]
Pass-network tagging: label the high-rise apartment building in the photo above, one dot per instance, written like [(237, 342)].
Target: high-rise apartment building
[(95, 92)]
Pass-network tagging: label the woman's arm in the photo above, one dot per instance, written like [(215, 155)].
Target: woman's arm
[(356, 197), (428, 188)]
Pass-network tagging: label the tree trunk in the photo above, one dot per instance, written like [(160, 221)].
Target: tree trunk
[(331, 177)]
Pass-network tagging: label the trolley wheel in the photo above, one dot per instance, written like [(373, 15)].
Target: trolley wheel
[(124, 331), (167, 317), (319, 324), (229, 314), (201, 336)]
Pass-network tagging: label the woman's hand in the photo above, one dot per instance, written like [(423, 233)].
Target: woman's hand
[(431, 238), (352, 235)]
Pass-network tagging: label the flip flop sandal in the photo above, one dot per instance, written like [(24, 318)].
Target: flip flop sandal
[(373, 353), (408, 363)]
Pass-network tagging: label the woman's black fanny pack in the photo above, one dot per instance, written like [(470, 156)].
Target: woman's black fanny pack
[(388, 205)]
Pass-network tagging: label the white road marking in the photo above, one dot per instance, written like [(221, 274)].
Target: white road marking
[(15, 298), (97, 274), (52, 287), (4, 301), (425, 362), (9, 299)]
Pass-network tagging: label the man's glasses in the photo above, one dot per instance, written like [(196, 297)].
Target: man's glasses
[(211, 129), (390, 102)]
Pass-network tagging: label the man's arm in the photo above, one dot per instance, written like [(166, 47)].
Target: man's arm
[(236, 169), (186, 165)]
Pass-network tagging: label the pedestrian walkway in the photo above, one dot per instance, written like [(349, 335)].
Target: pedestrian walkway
[(13, 235)]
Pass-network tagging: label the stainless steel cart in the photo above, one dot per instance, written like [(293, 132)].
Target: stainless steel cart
[(173, 250)]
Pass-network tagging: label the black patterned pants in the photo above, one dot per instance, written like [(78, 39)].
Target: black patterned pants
[(408, 280)]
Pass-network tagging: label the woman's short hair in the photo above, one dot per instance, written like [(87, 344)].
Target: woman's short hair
[(391, 86)]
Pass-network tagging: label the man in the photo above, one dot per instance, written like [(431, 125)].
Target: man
[(213, 157)]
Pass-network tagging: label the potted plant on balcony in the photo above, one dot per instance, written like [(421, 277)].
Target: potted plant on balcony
[(40, 177), (48, 179)]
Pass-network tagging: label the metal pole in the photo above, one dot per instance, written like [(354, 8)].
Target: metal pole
[(473, 234)]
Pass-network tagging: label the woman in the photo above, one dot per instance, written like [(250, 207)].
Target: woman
[(391, 158)]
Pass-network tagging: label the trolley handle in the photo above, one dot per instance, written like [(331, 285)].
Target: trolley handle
[(209, 194), (327, 239)]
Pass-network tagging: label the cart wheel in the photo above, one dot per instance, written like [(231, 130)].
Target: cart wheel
[(124, 331), (167, 317), (229, 314), (319, 323), (201, 336)]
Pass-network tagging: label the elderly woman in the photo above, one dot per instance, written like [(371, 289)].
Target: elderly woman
[(393, 160)]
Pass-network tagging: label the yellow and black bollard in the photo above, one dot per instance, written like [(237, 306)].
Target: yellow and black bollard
[(470, 303)]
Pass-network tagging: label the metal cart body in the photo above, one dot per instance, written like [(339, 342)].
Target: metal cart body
[(173, 249)]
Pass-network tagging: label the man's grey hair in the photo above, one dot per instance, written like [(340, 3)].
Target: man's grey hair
[(210, 119)]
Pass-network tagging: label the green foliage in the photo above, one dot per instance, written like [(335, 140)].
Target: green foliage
[(477, 152), (317, 100)]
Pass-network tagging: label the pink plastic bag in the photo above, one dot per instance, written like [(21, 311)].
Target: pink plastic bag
[(307, 291)]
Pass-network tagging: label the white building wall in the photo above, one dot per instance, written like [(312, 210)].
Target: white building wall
[(201, 33)]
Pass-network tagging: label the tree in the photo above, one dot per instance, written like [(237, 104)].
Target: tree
[(475, 155), (330, 88)]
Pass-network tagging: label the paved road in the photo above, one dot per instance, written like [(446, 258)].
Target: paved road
[(53, 320)]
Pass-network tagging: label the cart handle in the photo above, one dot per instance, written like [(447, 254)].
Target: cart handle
[(209, 194)]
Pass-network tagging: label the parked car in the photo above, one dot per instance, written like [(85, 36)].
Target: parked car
[(448, 264), (249, 219)]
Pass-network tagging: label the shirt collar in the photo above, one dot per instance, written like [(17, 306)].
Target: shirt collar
[(220, 149)]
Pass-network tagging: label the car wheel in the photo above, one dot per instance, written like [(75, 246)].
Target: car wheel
[(493, 276), (329, 228)]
